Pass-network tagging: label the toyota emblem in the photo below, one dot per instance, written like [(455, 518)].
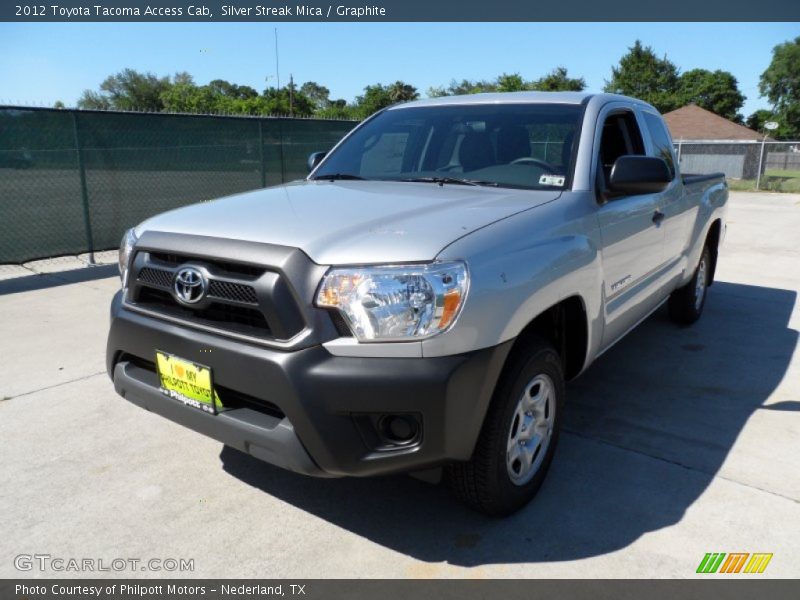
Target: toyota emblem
[(190, 285)]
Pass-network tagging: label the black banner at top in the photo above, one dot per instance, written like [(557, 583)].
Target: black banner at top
[(277, 11)]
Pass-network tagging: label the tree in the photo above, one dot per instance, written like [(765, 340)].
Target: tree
[(377, 97), (558, 81), (402, 92), (58, 104), (220, 96), (438, 91), (555, 81), (780, 83), (186, 97), (465, 86), (128, 90), (94, 101), (276, 101), (231, 90), (510, 83), (318, 94), (717, 91), (756, 120), (182, 77), (643, 75), (340, 109)]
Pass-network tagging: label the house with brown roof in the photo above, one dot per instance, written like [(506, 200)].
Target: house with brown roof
[(708, 143), (691, 122)]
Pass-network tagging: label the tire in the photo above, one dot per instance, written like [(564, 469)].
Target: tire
[(687, 302), (491, 482)]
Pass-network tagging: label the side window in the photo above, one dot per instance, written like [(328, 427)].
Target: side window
[(620, 137), (661, 140)]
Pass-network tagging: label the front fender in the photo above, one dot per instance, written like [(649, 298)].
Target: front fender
[(516, 275)]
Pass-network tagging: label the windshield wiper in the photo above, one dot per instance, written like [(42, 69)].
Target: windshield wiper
[(453, 180), (337, 177)]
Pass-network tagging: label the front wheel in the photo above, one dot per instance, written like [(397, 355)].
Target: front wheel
[(686, 303), (519, 435)]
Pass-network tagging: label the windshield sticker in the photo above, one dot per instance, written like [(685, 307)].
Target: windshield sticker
[(551, 180)]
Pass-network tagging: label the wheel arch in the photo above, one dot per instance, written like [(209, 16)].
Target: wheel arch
[(566, 326), (712, 241)]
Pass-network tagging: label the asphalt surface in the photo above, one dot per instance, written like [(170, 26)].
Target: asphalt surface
[(678, 442)]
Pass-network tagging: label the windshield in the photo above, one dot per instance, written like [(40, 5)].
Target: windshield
[(507, 145)]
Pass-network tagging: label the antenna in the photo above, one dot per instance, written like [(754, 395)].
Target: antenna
[(277, 62)]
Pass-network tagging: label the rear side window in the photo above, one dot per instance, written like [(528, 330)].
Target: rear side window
[(662, 144)]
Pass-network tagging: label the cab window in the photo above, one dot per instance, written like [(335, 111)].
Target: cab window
[(662, 144)]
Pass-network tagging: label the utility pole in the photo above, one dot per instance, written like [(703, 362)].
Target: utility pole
[(291, 95), (277, 62), (760, 162), (768, 126)]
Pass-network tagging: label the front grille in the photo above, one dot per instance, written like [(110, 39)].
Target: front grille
[(236, 292), (233, 306), (157, 277), (239, 319), (241, 299), (230, 269), (224, 290)]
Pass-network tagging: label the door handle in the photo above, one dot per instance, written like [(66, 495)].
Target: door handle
[(658, 216)]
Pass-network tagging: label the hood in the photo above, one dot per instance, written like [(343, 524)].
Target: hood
[(351, 222)]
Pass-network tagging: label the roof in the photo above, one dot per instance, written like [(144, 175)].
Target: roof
[(573, 98), (502, 98), (691, 122)]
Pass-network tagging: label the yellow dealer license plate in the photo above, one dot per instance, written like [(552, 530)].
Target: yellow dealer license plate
[(187, 382)]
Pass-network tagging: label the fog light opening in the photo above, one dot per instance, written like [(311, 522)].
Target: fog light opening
[(399, 429)]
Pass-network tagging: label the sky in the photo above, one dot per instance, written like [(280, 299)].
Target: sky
[(41, 63)]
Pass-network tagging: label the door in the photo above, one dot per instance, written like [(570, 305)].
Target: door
[(678, 211), (630, 228)]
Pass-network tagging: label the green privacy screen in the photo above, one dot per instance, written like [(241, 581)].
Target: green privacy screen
[(73, 181)]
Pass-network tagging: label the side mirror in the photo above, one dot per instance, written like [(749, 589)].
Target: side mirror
[(314, 159), (633, 175)]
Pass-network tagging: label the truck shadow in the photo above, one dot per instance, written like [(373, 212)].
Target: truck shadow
[(41, 281), (646, 429)]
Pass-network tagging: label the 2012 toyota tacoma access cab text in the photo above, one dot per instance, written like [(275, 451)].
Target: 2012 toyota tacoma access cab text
[(420, 299)]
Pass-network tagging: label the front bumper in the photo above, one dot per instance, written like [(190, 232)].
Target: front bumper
[(307, 410)]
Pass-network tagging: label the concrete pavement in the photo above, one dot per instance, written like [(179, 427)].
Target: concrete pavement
[(678, 442)]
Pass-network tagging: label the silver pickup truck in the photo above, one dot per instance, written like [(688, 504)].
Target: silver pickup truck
[(418, 302)]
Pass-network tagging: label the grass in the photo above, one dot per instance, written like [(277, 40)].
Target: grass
[(773, 181), (781, 173)]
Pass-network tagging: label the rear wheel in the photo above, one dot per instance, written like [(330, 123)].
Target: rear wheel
[(686, 303), (519, 435)]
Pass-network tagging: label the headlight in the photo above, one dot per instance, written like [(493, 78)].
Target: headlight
[(125, 250), (396, 303)]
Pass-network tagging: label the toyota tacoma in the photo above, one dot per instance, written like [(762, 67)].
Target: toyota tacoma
[(417, 303)]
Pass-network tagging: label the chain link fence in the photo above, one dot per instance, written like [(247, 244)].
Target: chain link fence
[(74, 181), (749, 165)]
